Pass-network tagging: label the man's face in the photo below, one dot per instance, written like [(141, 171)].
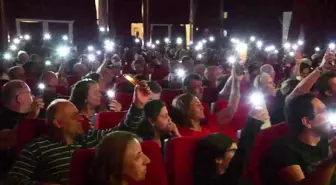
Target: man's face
[(197, 88), (268, 86), (319, 124), (24, 98), (213, 74), (69, 119), (51, 83), (305, 72), (162, 121), (139, 68)]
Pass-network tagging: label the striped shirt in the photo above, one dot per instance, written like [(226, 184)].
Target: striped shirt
[(49, 160)]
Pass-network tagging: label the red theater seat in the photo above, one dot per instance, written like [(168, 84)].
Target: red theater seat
[(79, 166), (73, 79), (261, 145), (156, 172), (60, 89), (179, 160), (28, 130), (107, 120), (168, 95), (209, 94), (124, 99)]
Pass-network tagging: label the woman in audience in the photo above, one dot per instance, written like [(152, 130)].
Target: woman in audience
[(119, 158), (97, 78), (212, 157), (188, 112), (219, 161), (86, 96), (156, 124)]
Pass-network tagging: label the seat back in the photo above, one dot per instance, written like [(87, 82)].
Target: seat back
[(79, 166), (124, 99), (179, 160), (261, 145), (28, 130), (156, 172), (73, 79), (107, 120), (60, 89), (168, 95)]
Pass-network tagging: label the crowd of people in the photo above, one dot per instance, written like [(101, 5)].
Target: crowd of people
[(213, 100)]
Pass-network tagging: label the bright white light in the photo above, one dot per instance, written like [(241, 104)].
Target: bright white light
[(179, 41), (270, 48), (199, 47), (98, 52), (257, 100), (232, 59), (166, 40), (211, 38), (241, 46), (109, 45), (259, 44), (292, 54), (287, 45), (136, 40), (110, 93), (252, 38), (21, 37), (13, 47), (65, 37), (276, 51), (41, 86), (26, 37), (148, 44), (317, 49), (157, 42), (300, 42), (47, 36), (48, 63), (234, 40), (101, 29), (16, 41), (153, 46), (204, 41), (199, 56), (180, 73), (91, 57), (295, 47), (331, 119), (7, 56), (191, 43), (90, 48), (332, 46), (63, 51)]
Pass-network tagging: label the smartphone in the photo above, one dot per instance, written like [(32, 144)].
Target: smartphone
[(130, 78), (239, 69)]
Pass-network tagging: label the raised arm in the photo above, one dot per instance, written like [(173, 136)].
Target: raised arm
[(226, 114), (307, 83)]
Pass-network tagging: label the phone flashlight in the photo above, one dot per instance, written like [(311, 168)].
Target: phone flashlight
[(65, 37), (136, 40), (157, 42), (211, 38), (41, 87), (331, 119), (332, 46), (48, 63), (110, 94), (26, 37), (63, 51), (7, 56), (179, 41), (257, 100), (180, 73)]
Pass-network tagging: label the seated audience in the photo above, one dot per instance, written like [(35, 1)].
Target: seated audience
[(326, 87), (47, 159), (80, 69), (200, 69), (22, 58), (138, 67), (302, 156), (50, 80), (267, 68), (16, 73), (124, 149)]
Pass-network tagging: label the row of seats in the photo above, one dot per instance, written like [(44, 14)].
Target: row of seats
[(178, 159)]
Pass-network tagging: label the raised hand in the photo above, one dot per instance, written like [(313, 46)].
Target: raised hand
[(115, 106), (172, 128), (141, 94), (36, 106)]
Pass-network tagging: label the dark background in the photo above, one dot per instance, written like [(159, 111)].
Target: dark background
[(245, 17)]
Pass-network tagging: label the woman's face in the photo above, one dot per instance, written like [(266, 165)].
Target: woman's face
[(135, 162), (94, 95), (196, 110), (163, 120), (223, 163)]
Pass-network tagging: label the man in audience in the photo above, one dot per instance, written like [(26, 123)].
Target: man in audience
[(326, 86), (305, 69), (200, 69), (80, 69), (50, 80), (138, 67), (212, 73), (50, 156), (17, 105), (188, 64), (296, 159), (16, 73)]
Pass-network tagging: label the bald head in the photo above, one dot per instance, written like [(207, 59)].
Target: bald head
[(23, 57), (50, 79), (62, 114), (16, 73), (212, 73), (80, 69), (16, 95)]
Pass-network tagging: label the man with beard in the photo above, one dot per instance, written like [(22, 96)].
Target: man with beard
[(302, 156)]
